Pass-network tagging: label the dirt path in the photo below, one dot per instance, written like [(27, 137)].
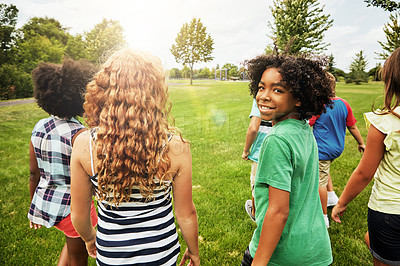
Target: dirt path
[(7, 103)]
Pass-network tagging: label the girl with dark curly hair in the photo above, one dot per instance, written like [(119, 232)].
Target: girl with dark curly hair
[(58, 91), (132, 161), (290, 224)]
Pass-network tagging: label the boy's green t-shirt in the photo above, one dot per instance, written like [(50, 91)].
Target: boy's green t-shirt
[(289, 161)]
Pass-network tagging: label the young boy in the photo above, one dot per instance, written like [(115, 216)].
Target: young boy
[(290, 224), (330, 130), (256, 133)]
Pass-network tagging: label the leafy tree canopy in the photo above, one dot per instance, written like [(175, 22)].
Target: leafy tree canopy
[(104, 39), (385, 4), (192, 45), (8, 20), (299, 26), (47, 27), (38, 49), (75, 48), (392, 32)]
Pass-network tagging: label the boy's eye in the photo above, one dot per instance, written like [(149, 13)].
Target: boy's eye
[(260, 88), (278, 90)]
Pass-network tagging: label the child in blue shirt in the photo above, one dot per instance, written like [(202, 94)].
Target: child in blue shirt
[(256, 133), (329, 131)]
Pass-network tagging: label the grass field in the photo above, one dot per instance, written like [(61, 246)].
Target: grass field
[(213, 116)]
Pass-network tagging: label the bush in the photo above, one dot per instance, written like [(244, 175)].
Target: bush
[(14, 83), (356, 77)]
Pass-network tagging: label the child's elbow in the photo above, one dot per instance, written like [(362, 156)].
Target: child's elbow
[(252, 130), (280, 214), (34, 176), (186, 215)]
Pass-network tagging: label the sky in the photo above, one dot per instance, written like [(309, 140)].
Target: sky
[(239, 28)]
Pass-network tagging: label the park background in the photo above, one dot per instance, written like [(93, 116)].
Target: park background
[(44, 30), (213, 116)]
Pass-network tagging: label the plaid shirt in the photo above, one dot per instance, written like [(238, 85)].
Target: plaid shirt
[(52, 141)]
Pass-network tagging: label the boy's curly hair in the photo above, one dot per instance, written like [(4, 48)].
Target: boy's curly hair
[(305, 78), (59, 89)]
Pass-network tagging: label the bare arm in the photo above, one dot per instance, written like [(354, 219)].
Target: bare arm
[(357, 136), (185, 211), (364, 172), (81, 195), (34, 178), (274, 223), (251, 135)]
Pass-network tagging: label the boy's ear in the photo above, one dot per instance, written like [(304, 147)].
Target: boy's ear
[(298, 103)]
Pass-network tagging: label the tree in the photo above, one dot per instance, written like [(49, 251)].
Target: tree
[(104, 39), (375, 72), (14, 83), (232, 70), (331, 67), (392, 32), (299, 26), (46, 27), (38, 49), (8, 20), (340, 73), (204, 73), (75, 48), (385, 4), (357, 69), (174, 73), (192, 45)]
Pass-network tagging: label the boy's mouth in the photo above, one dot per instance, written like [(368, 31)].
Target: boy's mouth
[(266, 108)]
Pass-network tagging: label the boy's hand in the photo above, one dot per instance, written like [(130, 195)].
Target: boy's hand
[(245, 155), (34, 226), (337, 211), (361, 147)]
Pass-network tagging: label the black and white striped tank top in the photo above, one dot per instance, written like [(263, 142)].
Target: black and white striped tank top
[(137, 232)]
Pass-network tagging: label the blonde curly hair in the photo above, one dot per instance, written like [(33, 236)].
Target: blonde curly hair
[(127, 101)]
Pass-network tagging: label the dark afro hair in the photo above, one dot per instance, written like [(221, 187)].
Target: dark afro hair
[(305, 78), (59, 89)]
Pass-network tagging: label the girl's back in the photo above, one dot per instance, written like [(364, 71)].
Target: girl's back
[(386, 190), (138, 231)]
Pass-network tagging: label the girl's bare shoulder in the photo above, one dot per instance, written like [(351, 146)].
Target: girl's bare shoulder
[(178, 146)]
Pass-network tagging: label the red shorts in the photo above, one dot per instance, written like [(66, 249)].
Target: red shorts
[(66, 224)]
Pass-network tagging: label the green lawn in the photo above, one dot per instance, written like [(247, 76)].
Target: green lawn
[(213, 116)]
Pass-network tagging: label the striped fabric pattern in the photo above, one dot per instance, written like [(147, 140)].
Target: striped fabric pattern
[(137, 232), (51, 139)]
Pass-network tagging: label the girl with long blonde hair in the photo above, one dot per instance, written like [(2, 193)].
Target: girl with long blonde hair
[(132, 161)]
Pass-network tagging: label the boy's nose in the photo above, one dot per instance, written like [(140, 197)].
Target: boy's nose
[(265, 96)]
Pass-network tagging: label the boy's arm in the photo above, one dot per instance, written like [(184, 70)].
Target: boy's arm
[(357, 136), (251, 135), (274, 223)]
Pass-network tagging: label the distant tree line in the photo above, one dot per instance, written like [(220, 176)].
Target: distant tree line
[(45, 39), (226, 72)]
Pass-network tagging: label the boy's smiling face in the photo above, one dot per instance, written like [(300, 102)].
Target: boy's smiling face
[(274, 100)]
